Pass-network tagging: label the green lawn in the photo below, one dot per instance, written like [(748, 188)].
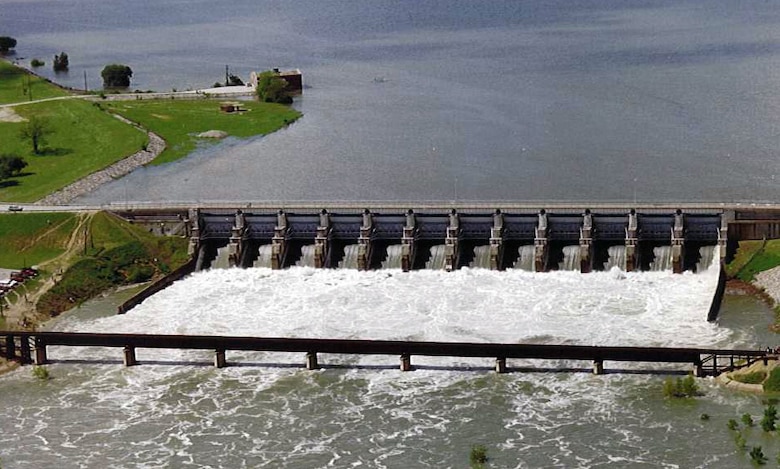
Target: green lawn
[(84, 139), (753, 257), (14, 84), (177, 121), (30, 238)]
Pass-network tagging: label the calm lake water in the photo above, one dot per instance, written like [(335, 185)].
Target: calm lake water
[(451, 100)]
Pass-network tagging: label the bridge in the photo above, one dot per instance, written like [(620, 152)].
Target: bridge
[(32, 347)]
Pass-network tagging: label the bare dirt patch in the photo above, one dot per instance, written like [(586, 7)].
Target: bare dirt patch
[(8, 114)]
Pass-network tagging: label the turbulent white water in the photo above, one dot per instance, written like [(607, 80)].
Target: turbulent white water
[(222, 259), (662, 260), (350, 260), (436, 261), (617, 258), (264, 255), (392, 257), (525, 258), (176, 410), (307, 256), (481, 257), (571, 258)]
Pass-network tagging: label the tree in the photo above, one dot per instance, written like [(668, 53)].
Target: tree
[(116, 76), (36, 129), (61, 62), (6, 44), (11, 165), (272, 89)]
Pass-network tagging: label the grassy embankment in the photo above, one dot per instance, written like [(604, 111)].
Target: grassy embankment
[(16, 85), (114, 253), (84, 139), (753, 257), (178, 121), (96, 253)]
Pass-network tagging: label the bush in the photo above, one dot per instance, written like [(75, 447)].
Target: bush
[(116, 76), (769, 419), (37, 63), (681, 387), (757, 455), (478, 456), (747, 419), (40, 372), (732, 424), (61, 62)]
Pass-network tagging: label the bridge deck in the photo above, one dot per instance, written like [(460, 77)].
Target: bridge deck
[(598, 354)]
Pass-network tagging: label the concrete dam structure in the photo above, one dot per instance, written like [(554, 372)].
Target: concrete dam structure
[(531, 239)]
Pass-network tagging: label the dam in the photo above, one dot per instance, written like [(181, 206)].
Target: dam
[(450, 238)]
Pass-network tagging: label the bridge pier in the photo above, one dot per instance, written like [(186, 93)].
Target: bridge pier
[(194, 231), (220, 361), (598, 367), (10, 347), (407, 242), (451, 242), (500, 365), (40, 352), (311, 361), (406, 362), (129, 356), (24, 350), (541, 251), (698, 369)]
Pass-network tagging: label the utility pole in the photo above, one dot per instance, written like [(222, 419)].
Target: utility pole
[(85, 82), (226, 75)]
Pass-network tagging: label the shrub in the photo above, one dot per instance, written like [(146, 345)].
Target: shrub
[(61, 62), (478, 456), (757, 455), (681, 387), (732, 424), (37, 63), (40, 372), (739, 440), (747, 419), (769, 419)]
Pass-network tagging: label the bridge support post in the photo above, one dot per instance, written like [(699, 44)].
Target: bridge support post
[(40, 352), (311, 361), (698, 369), (631, 242), (220, 361), (598, 367), (364, 241), (678, 242), (10, 347), (586, 243), (24, 350), (451, 243), (500, 365), (235, 246), (496, 241), (540, 243), (407, 242), (129, 356), (321, 240), (406, 362), (279, 241)]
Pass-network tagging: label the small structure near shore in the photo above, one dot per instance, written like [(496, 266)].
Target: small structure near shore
[(293, 77)]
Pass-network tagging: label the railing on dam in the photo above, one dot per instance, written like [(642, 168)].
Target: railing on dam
[(30, 347)]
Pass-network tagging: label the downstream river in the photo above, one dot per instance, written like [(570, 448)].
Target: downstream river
[(608, 100), (176, 410)]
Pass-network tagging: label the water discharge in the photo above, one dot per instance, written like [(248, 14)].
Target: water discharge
[(350, 260), (617, 258), (571, 258), (393, 257), (307, 256), (264, 255), (525, 258), (176, 410), (481, 257), (436, 261)]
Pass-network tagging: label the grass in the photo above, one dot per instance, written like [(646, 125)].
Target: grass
[(755, 377), (84, 140), (115, 253), (753, 257), (14, 85), (31, 238), (772, 384), (178, 121)]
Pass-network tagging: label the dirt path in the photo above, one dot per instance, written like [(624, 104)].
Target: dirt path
[(22, 314)]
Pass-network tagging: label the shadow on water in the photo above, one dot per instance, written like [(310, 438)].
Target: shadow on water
[(462, 369)]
